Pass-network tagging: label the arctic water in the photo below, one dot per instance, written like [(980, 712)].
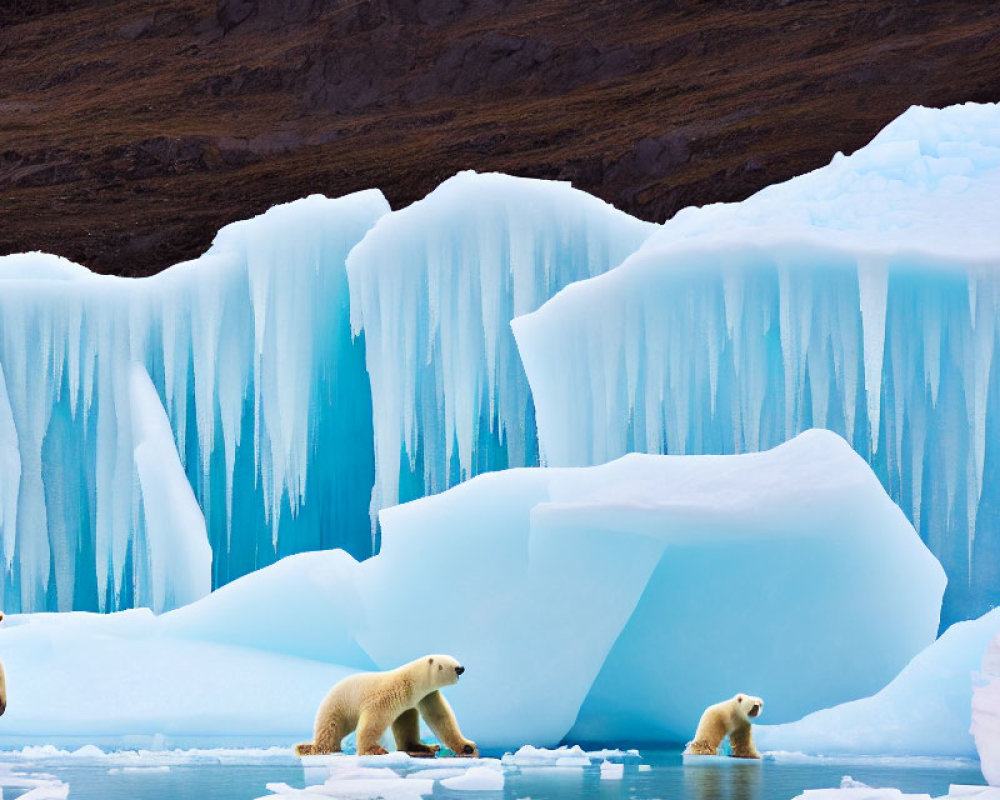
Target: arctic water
[(668, 779)]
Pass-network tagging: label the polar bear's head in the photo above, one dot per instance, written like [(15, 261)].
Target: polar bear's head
[(749, 706), (442, 670)]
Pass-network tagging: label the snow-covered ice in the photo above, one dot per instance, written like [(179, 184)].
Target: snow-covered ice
[(925, 711), (434, 287), (751, 555), (596, 572), (861, 297), (250, 352), (118, 681), (31, 786), (395, 776), (986, 711)]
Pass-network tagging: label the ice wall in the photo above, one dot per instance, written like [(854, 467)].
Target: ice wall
[(862, 297), (249, 348), (434, 287)]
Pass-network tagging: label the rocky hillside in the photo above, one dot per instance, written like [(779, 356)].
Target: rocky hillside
[(131, 130)]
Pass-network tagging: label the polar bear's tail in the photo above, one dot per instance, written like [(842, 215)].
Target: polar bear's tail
[(305, 749)]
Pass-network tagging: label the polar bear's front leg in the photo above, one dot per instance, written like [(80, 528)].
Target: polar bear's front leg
[(371, 726), (441, 719), (741, 743), (406, 732)]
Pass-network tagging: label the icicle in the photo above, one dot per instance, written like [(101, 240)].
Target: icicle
[(10, 473), (873, 287)]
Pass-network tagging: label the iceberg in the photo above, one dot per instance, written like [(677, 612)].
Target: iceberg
[(434, 287), (248, 350), (924, 711), (641, 590), (861, 297)]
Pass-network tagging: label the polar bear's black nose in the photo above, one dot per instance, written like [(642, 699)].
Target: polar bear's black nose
[(459, 670)]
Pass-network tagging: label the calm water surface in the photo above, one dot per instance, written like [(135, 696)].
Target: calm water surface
[(668, 779)]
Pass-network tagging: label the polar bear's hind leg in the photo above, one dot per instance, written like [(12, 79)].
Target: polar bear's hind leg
[(371, 726)]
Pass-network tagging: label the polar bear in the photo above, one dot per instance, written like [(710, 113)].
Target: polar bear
[(372, 701), (729, 718)]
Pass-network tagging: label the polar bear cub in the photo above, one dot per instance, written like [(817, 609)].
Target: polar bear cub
[(370, 702), (729, 718)]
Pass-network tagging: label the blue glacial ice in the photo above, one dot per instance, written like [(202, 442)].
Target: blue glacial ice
[(862, 297), (627, 584), (434, 287), (250, 352)]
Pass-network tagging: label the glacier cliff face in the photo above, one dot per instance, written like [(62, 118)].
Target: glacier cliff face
[(862, 298), (250, 351)]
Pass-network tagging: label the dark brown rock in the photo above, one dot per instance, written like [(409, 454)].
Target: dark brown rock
[(131, 131)]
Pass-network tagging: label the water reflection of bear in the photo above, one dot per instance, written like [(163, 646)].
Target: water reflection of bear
[(723, 782)]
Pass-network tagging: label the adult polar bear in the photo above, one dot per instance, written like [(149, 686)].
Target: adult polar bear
[(372, 701), (729, 718)]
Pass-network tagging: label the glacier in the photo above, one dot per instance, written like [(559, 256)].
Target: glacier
[(249, 354), (862, 297), (573, 566), (434, 287)]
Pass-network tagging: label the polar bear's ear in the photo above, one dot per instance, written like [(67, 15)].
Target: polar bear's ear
[(430, 660), (739, 698)]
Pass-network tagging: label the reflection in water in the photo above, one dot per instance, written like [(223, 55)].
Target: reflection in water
[(723, 782)]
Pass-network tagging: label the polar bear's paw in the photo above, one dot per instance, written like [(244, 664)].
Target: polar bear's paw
[(422, 750)]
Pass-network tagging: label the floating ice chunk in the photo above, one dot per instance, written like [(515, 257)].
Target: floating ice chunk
[(736, 326), (859, 792), (612, 772), (162, 768), (851, 789), (39, 787), (434, 287), (565, 756), (924, 711), (477, 779)]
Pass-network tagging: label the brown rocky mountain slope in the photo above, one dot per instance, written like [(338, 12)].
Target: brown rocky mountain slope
[(131, 130)]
